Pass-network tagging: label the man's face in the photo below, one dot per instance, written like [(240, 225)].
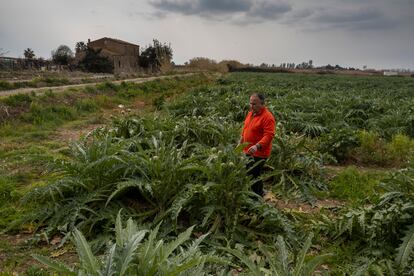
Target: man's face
[(255, 104)]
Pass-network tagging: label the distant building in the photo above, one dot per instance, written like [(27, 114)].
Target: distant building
[(390, 73), (11, 63), (124, 55)]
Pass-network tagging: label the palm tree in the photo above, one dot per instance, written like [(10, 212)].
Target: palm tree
[(29, 54), (80, 46)]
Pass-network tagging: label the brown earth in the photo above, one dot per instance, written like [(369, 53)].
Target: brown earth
[(20, 249), (71, 135), (302, 207)]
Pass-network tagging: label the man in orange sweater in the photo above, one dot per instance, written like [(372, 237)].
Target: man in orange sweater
[(258, 131)]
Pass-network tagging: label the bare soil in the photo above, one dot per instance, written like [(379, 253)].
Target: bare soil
[(21, 250), (302, 207), (71, 135)]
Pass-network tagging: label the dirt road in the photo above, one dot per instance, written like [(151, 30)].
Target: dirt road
[(93, 77), (62, 88)]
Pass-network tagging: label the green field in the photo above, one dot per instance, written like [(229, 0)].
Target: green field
[(164, 191)]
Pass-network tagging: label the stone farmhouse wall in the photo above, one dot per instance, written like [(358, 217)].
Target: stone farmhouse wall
[(124, 55)]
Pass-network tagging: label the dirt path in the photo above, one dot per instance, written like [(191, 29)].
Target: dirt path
[(92, 77), (62, 88), (302, 207)]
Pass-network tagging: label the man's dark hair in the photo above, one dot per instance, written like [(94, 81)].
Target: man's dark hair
[(260, 96)]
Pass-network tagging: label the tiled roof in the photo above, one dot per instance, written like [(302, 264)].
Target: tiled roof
[(116, 40)]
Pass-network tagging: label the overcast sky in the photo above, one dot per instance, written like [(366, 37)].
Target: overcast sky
[(376, 33)]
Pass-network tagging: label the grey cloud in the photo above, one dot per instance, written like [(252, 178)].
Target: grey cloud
[(297, 15), (341, 16), (354, 19), (176, 6), (269, 9), (225, 6), (245, 11), (358, 16), (336, 14)]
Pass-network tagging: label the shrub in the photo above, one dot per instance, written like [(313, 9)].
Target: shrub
[(18, 100), (107, 87), (95, 62), (375, 150), (6, 190), (5, 85), (50, 81), (86, 105), (130, 92), (104, 101), (353, 185), (202, 63), (46, 114), (159, 102), (339, 143), (372, 149), (91, 89), (400, 149)]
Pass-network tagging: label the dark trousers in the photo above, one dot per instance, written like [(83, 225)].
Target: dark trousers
[(254, 167)]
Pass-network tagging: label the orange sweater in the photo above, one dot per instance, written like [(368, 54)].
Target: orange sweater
[(259, 128)]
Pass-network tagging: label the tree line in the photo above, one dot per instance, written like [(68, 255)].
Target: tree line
[(151, 58)]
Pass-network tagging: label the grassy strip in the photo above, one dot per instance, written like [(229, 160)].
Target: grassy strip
[(35, 83), (53, 80), (45, 81), (50, 110)]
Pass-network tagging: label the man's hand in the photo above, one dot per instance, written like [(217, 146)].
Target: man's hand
[(253, 149)]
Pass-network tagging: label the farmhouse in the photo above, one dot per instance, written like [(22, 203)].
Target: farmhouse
[(124, 55)]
